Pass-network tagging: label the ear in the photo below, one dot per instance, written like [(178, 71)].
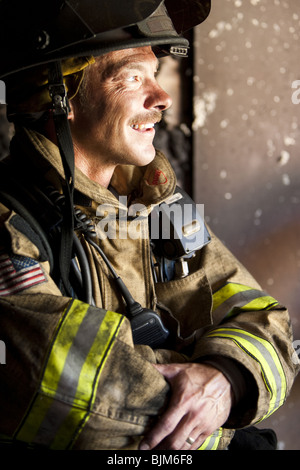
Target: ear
[(71, 112)]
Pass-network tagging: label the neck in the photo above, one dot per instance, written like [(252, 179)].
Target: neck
[(92, 168), (95, 171)]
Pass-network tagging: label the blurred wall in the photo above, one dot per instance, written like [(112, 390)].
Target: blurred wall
[(246, 164)]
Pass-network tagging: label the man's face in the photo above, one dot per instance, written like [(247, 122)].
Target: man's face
[(114, 116)]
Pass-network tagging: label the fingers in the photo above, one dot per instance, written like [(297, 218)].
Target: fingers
[(200, 403), (173, 430), (182, 438), (165, 427)]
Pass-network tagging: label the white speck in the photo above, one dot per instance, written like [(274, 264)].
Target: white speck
[(223, 174), (270, 281), (238, 3), (228, 196), (258, 213), (203, 107), (255, 2), (220, 28), (248, 44), (224, 123), (283, 158), (286, 179), (277, 99), (230, 92), (282, 70), (213, 33), (289, 141), (250, 81)]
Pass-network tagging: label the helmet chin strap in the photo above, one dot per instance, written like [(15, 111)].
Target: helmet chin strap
[(61, 110)]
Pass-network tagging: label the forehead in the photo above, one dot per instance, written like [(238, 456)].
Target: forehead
[(114, 61)]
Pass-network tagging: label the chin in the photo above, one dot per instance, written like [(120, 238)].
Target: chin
[(145, 157)]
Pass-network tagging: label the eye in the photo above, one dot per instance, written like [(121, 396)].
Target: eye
[(133, 78)]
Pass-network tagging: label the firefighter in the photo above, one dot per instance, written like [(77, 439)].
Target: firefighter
[(115, 339)]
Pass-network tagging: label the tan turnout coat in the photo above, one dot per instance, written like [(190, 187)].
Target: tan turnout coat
[(73, 377)]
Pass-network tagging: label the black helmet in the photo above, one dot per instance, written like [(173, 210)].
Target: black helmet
[(35, 32)]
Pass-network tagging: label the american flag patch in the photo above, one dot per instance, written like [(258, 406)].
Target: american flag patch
[(18, 273)]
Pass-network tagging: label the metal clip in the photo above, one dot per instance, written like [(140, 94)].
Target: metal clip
[(59, 98), (181, 51)]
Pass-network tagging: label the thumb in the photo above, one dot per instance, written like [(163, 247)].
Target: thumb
[(168, 370)]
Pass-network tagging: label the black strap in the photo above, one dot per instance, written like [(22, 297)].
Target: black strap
[(58, 94)]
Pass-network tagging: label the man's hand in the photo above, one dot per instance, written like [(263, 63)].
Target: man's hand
[(200, 403)]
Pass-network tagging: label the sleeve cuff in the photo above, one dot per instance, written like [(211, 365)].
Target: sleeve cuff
[(239, 377)]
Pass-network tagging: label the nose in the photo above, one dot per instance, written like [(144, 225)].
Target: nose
[(157, 98)]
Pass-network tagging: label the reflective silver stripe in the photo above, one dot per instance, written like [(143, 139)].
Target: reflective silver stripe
[(237, 300), (67, 391), (67, 385), (212, 442)]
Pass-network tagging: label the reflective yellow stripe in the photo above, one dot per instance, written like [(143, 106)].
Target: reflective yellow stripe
[(233, 297), (64, 340), (265, 302), (71, 375), (226, 292), (264, 353), (212, 442)]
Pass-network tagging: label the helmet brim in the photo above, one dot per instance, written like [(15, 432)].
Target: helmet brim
[(67, 34)]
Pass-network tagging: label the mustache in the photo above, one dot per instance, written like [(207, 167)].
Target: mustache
[(152, 116)]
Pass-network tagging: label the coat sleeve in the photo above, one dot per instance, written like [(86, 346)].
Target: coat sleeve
[(72, 377), (250, 333)]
